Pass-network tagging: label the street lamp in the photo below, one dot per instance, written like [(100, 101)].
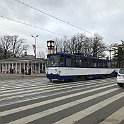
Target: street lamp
[(35, 50)]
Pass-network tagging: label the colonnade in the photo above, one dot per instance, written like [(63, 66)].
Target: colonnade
[(16, 67)]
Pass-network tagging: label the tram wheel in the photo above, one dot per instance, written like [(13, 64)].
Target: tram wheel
[(51, 80), (83, 78), (75, 79)]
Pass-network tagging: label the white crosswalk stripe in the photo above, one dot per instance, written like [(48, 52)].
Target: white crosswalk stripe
[(36, 91), (115, 118), (53, 100), (41, 92), (77, 116), (62, 97), (56, 109), (30, 89)]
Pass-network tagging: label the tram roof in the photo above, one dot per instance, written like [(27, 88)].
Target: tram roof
[(78, 55)]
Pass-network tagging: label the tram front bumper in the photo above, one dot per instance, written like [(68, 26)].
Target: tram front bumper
[(53, 76)]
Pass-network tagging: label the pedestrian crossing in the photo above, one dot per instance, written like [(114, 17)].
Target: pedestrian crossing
[(38, 101), (116, 117)]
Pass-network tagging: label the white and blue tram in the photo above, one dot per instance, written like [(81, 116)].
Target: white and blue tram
[(62, 66)]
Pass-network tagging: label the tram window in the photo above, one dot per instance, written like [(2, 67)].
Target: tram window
[(72, 61), (106, 64), (91, 63), (98, 64), (78, 62), (88, 63), (68, 61), (109, 64), (94, 64), (85, 64), (61, 60), (53, 61), (101, 64), (82, 62)]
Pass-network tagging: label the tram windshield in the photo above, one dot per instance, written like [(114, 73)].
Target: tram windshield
[(55, 60)]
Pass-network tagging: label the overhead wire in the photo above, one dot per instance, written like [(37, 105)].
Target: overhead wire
[(53, 16), (47, 15), (31, 25), (34, 8)]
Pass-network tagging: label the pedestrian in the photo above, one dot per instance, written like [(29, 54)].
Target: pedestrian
[(10, 70), (29, 71), (22, 71)]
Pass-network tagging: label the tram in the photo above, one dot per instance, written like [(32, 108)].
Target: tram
[(65, 67)]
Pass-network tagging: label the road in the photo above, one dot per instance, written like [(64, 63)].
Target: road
[(38, 101), (19, 76)]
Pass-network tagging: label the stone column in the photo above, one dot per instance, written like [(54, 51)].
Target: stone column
[(9, 67), (24, 66), (16, 69), (20, 67), (27, 68), (39, 68), (5, 67), (31, 68), (42, 66), (45, 67), (12, 65), (2, 67)]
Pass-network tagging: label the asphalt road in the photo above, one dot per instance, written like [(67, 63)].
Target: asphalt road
[(38, 101), (20, 76)]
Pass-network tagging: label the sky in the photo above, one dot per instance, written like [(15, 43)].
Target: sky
[(105, 17)]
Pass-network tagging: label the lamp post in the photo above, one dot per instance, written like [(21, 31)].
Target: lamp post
[(35, 50)]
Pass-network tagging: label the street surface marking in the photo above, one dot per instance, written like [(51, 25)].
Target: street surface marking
[(26, 90), (46, 91), (115, 118), (76, 116), (57, 99), (81, 114)]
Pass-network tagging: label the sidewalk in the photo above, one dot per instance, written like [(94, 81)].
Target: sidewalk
[(5, 76), (32, 75)]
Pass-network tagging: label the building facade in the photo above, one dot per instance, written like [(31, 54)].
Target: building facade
[(26, 63)]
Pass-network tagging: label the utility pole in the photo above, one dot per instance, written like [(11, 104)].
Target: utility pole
[(35, 51)]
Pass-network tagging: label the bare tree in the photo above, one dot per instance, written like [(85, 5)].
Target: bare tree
[(61, 45), (85, 45), (12, 46), (98, 47), (1, 52), (77, 44), (118, 56), (82, 44), (41, 54)]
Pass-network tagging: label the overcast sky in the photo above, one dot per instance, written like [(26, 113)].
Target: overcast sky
[(105, 17)]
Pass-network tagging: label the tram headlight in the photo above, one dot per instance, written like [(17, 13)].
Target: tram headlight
[(56, 71)]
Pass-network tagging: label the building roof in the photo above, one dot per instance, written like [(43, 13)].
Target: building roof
[(26, 58)]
